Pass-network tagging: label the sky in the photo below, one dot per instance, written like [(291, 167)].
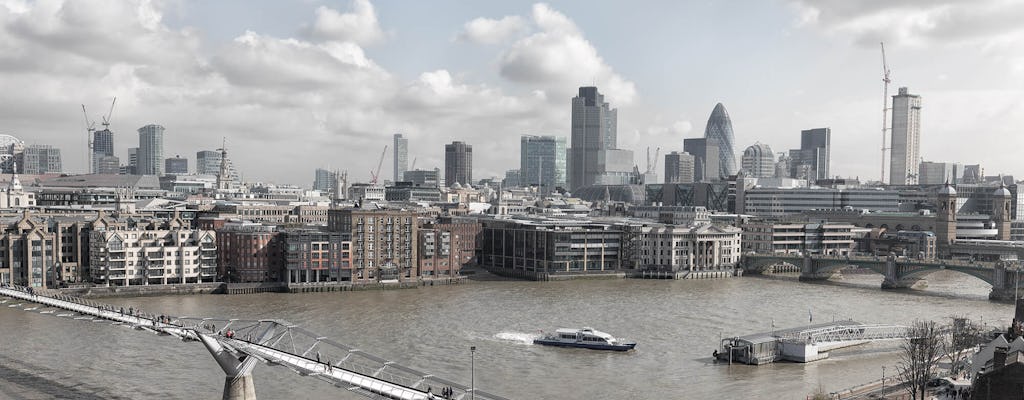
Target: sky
[(297, 85)]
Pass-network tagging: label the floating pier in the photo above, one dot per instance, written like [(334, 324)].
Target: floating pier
[(804, 344)]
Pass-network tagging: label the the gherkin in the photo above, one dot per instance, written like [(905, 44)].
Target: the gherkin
[(719, 129)]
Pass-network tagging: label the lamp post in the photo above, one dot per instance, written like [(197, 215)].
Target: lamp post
[(472, 372), (882, 392)]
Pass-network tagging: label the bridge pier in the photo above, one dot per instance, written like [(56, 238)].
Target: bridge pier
[(904, 283), (237, 366), (811, 271)]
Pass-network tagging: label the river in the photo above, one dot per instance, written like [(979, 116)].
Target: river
[(676, 324)]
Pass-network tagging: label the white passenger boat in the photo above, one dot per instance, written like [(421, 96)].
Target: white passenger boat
[(586, 338)]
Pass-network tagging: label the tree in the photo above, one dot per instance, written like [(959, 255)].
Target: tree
[(918, 356), (963, 335)]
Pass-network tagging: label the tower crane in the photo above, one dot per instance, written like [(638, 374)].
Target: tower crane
[(106, 119), (413, 167), (885, 107), (90, 126), (375, 174)]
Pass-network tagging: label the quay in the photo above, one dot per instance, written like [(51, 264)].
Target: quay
[(804, 344)]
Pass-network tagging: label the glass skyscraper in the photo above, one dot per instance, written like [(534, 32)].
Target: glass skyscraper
[(719, 129), (102, 146), (151, 150), (594, 158), (458, 164), (906, 138), (401, 157), (542, 162)]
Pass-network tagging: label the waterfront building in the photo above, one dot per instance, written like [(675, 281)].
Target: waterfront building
[(676, 248), (780, 237), (153, 253), (38, 159), (905, 145), (249, 252), (719, 131), (176, 165), (43, 251), (446, 246), (383, 241), (705, 158), (207, 162), (542, 162), (102, 146), (758, 161), (594, 157), (458, 163), (151, 150), (401, 157), (679, 167), (536, 247), (937, 173), (317, 256), (424, 177)]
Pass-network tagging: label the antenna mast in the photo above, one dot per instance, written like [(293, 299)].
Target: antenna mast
[(885, 108)]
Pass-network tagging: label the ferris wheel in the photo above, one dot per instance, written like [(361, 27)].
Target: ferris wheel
[(9, 147)]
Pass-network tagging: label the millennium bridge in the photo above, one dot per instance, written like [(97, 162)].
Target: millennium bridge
[(238, 345), (899, 272)]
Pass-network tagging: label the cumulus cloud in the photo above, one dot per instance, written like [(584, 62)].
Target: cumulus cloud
[(492, 31), (359, 26), (558, 58)]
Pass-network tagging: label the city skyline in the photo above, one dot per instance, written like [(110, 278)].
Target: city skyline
[(352, 80)]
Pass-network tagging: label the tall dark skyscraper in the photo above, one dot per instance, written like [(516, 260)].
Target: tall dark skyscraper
[(458, 164), (102, 146), (719, 129), (679, 167), (816, 146), (705, 158), (594, 158)]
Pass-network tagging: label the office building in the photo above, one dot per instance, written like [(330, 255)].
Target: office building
[(679, 167), (151, 150), (906, 138), (781, 201), (705, 158), (324, 180), (513, 178), (102, 146), (401, 157), (176, 165), (594, 158), (758, 161), (458, 163), (108, 165), (424, 177), (812, 160), (719, 131), (542, 162), (39, 159), (938, 173), (207, 162)]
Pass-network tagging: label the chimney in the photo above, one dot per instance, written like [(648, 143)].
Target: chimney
[(999, 358)]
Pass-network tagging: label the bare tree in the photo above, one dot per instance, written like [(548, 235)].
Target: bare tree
[(918, 356), (963, 335)]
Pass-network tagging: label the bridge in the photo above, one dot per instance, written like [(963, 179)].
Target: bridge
[(899, 272), (239, 345)]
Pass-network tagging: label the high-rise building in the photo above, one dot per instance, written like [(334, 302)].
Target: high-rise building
[(176, 165), (401, 157), (133, 162), (906, 138), (758, 161), (594, 158), (108, 165), (815, 152), (937, 173), (513, 178), (324, 180), (679, 167), (151, 150), (207, 162), (39, 159), (102, 146), (458, 163), (424, 177), (719, 129), (705, 158), (542, 162)]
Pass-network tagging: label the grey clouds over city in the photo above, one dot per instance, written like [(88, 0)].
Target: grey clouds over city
[(294, 86)]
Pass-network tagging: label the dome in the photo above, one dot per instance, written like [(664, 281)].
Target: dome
[(1001, 192), (456, 185), (947, 190)]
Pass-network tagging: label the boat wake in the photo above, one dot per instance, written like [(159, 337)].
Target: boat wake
[(518, 337)]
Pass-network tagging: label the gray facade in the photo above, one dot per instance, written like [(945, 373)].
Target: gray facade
[(424, 177), (542, 162), (40, 159), (207, 162), (815, 153), (401, 148), (176, 165), (906, 138), (151, 150), (719, 131), (679, 167), (593, 156), (323, 180), (458, 163), (102, 146), (937, 173), (705, 158), (758, 161)]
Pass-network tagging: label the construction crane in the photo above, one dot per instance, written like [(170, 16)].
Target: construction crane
[(375, 174), (106, 120), (413, 167), (652, 164), (885, 108), (90, 126)]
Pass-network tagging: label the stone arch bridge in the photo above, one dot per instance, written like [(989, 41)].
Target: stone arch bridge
[(1003, 276)]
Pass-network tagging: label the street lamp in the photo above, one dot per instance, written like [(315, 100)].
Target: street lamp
[(882, 392), (472, 368)]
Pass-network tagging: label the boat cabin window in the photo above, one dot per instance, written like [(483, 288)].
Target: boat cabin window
[(568, 336)]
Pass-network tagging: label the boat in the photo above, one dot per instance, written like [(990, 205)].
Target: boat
[(586, 338)]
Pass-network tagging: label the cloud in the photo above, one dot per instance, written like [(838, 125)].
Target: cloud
[(492, 31), (918, 22), (359, 26), (558, 58)]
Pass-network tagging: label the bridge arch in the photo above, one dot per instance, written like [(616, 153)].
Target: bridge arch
[(924, 271), (831, 266)]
